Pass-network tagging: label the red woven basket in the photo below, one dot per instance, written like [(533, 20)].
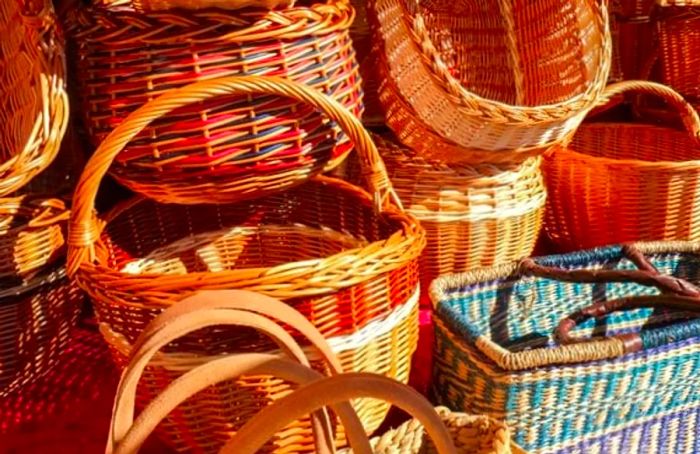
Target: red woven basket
[(232, 147), (679, 45)]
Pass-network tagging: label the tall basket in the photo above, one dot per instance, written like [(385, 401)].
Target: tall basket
[(340, 256), (230, 148), (618, 182), (491, 79), (33, 100), (678, 25)]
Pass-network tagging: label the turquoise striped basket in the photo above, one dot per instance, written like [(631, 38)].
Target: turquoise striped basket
[(625, 381)]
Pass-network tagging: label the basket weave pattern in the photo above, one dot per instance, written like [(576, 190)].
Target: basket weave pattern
[(229, 147)]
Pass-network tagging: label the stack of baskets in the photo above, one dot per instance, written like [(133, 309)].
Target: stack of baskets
[(229, 199), (38, 306)]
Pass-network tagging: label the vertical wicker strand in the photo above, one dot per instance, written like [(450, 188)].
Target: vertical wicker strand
[(512, 43)]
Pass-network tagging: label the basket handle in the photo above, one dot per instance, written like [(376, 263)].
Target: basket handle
[(331, 390), (646, 275), (226, 368), (634, 342), (210, 308), (688, 115), (84, 226)]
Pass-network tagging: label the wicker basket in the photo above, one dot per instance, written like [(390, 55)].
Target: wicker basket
[(619, 182), (164, 5), (340, 256), (38, 307), (632, 391), (489, 77), (34, 107), (216, 148), (203, 422), (678, 27), (633, 34), (473, 216)]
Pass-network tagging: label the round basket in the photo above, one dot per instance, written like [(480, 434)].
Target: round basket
[(38, 306), (228, 147), (473, 216), (206, 420), (329, 249), (34, 103), (491, 79), (620, 182)]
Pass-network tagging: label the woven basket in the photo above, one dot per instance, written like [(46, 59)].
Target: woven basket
[(34, 106), (203, 422), (619, 182), (678, 27), (496, 78), (163, 5), (38, 307), (633, 35), (634, 390), (473, 216), (212, 147)]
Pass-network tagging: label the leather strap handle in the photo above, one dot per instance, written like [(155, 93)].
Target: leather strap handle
[(646, 274), (211, 308), (332, 390), (228, 368), (634, 342), (85, 227)]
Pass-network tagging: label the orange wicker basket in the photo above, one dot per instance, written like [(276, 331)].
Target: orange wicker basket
[(34, 105), (678, 26), (204, 421), (491, 78), (38, 306), (621, 182), (633, 33), (473, 215), (228, 148)]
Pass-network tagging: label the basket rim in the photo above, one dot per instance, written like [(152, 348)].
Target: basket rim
[(253, 26), (692, 164), (468, 100), (382, 256)]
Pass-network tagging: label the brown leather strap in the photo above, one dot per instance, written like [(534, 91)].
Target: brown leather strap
[(646, 275), (632, 341), (228, 368), (211, 308), (251, 437)]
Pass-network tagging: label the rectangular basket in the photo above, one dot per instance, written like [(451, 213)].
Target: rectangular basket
[(496, 354), (679, 46)]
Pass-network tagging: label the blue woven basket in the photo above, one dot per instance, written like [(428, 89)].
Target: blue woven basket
[(634, 387)]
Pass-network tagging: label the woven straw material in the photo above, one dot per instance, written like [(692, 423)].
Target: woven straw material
[(34, 104), (633, 33), (362, 43), (161, 5), (619, 182), (471, 435), (36, 319), (473, 216), (31, 235), (679, 40), (321, 247), (231, 146), (501, 77), (205, 421), (496, 355)]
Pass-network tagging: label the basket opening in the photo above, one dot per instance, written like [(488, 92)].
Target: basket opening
[(522, 314), (642, 142), (549, 56)]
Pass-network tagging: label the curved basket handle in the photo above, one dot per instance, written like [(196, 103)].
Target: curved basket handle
[(646, 274), (85, 228), (252, 436), (689, 116), (211, 308), (634, 342), (228, 368)]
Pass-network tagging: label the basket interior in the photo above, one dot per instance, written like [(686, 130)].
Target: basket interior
[(642, 142), (522, 314), (313, 221), (554, 46)]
